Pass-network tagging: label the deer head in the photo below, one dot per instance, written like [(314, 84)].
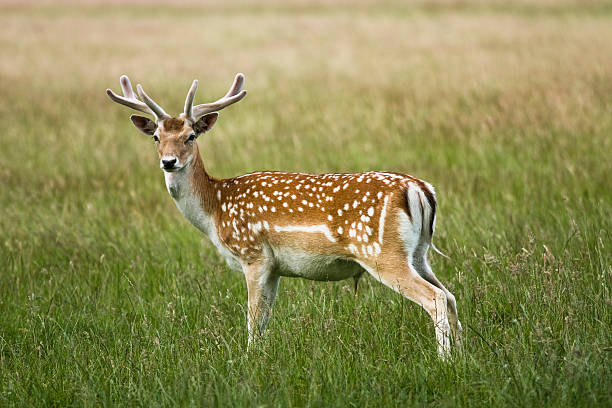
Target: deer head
[(175, 136)]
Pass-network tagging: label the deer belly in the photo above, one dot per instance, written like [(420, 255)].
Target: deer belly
[(295, 263)]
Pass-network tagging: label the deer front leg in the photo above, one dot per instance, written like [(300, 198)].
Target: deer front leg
[(261, 286)]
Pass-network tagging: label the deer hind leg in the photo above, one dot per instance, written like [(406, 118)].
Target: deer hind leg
[(403, 278), (262, 285), (424, 270)]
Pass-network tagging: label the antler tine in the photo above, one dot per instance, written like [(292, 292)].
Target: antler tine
[(236, 86), (159, 112), (189, 101), (126, 87), (129, 99), (233, 95)]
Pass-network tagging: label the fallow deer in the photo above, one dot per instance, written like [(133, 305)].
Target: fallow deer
[(324, 227)]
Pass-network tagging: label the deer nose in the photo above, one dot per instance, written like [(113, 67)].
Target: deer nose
[(169, 163)]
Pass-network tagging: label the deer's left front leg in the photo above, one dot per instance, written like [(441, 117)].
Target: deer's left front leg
[(261, 285)]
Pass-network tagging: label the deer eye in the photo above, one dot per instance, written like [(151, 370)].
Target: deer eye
[(156, 138), (191, 138)]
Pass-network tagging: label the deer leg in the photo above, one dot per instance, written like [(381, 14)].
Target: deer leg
[(424, 270), (404, 279), (261, 286)]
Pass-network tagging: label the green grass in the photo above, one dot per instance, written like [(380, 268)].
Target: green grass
[(109, 297)]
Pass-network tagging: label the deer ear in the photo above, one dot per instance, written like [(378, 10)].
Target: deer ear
[(145, 125), (205, 123)]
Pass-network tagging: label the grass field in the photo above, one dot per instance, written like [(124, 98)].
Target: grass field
[(109, 297)]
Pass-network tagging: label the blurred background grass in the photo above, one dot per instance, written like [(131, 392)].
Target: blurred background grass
[(109, 296)]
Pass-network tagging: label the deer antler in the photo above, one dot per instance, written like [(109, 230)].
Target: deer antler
[(233, 95), (189, 101), (129, 99), (159, 112)]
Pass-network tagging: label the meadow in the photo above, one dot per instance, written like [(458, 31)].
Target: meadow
[(109, 297)]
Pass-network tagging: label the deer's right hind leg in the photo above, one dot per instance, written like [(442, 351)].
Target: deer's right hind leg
[(403, 278), (424, 269)]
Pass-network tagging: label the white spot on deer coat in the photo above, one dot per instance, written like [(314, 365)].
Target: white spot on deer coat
[(381, 220), (307, 228), (376, 248)]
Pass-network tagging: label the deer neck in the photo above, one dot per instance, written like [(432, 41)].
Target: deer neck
[(193, 191)]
